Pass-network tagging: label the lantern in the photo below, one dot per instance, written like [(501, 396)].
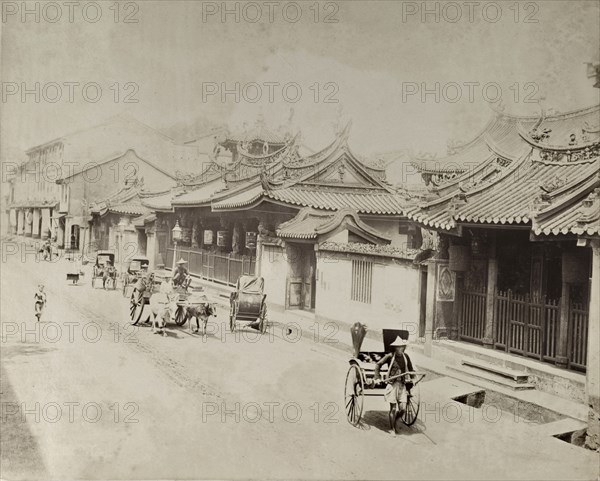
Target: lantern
[(250, 240)]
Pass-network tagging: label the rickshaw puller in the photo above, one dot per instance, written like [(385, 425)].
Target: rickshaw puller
[(108, 272), (396, 391)]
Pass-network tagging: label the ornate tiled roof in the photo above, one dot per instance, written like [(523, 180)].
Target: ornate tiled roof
[(503, 136), (311, 223), (331, 179), (161, 201), (200, 196), (363, 202), (544, 188)]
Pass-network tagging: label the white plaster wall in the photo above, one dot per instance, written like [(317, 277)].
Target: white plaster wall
[(274, 270), (394, 296)]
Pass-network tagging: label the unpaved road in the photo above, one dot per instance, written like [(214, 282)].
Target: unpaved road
[(89, 397)]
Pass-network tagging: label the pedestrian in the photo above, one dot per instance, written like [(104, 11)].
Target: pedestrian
[(396, 392), (40, 301)]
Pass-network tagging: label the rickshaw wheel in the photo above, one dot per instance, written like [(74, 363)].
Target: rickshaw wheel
[(135, 311), (353, 394), (180, 317), (413, 403)]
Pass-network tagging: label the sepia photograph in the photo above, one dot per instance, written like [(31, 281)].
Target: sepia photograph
[(300, 240)]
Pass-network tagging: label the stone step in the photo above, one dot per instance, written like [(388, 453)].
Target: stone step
[(517, 376), (490, 377), (562, 426)]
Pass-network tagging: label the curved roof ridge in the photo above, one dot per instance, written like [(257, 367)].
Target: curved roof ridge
[(558, 115)]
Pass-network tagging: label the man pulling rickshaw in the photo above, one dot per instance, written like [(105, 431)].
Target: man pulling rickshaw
[(397, 390), (181, 275)]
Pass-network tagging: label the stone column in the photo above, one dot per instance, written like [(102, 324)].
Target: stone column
[(151, 247), (259, 256), (20, 221), (488, 337), (592, 384), (194, 243), (430, 308), (235, 238), (35, 226), (45, 223), (28, 223)]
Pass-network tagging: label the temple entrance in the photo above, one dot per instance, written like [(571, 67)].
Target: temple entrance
[(301, 282)]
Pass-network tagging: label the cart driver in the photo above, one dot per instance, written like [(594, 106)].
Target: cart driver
[(181, 276), (397, 390)]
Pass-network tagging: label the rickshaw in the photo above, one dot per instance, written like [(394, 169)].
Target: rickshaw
[(360, 380), (247, 304), (136, 267), (105, 266)]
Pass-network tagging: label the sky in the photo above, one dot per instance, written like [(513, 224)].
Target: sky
[(409, 75)]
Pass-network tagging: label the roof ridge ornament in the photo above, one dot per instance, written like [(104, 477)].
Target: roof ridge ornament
[(555, 183), (590, 208), (535, 132)]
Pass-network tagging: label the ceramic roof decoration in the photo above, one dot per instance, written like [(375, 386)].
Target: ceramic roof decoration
[(331, 179), (543, 173)]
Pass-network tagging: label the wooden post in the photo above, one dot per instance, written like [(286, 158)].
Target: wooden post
[(492, 277), (562, 359)]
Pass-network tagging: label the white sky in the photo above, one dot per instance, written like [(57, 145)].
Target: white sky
[(369, 55)]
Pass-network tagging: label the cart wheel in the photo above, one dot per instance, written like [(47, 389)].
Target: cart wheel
[(353, 394), (232, 317), (413, 403), (180, 316), (262, 326)]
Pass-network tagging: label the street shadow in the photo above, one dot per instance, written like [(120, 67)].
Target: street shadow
[(379, 420), (24, 349), (20, 455)]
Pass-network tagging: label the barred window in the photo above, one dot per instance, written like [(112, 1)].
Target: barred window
[(362, 280)]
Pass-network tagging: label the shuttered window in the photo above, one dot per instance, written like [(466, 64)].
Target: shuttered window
[(362, 280)]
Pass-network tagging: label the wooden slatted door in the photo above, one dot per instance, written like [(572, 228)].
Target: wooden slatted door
[(525, 326), (471, 315), (578, 335)]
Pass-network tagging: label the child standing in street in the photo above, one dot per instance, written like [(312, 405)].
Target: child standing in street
[(40, 301)]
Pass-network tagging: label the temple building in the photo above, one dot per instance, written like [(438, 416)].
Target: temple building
[(517, 212), (321, 228)]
